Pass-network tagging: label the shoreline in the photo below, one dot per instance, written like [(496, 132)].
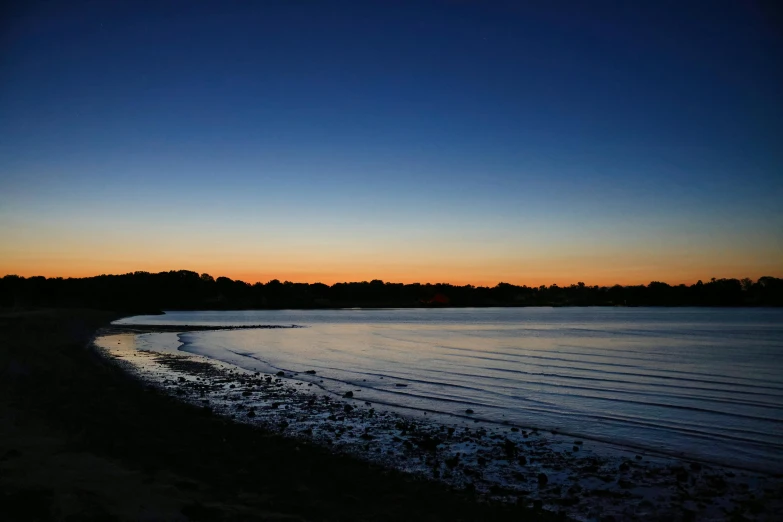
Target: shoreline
[(453, 409), (584, 479), (82, 438)]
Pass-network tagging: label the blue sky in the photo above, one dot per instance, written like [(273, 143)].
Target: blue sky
[(347, 140)]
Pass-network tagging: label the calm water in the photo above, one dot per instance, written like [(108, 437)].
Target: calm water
[(707, 383)]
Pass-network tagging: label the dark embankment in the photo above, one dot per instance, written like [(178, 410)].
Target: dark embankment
[(80, 440)]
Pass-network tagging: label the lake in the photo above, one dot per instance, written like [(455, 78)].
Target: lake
[(701, 382)]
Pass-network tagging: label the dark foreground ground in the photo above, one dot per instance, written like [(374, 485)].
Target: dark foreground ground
[(80, 440)]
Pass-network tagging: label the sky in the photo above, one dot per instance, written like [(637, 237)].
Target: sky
[(453, 141)]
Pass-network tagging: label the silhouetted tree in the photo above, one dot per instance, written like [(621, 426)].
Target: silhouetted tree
[(183, 289)]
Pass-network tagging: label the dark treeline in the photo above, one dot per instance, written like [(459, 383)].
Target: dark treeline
[(143, 291)]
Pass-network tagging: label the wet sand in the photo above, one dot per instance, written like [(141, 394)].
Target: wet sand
[(81, 438), (514, 465)]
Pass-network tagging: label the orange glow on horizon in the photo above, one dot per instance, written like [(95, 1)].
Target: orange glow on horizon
[(318, 260), (453, 275)]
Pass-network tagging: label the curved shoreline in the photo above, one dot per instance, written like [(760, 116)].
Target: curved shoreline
[(580, 479), (537, 415), (81, 438)]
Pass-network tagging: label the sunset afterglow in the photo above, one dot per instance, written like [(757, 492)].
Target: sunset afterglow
[(364, 150)]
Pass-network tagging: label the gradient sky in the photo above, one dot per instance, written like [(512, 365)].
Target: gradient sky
[(455, 141)]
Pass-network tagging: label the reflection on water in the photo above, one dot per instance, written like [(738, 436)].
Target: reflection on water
[(704, 382)]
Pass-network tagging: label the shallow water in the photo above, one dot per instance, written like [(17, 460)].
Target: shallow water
[(706, 383)]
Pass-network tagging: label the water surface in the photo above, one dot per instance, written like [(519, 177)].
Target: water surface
[(705, 383)]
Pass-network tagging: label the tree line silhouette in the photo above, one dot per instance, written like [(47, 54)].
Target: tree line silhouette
[(186, 290)]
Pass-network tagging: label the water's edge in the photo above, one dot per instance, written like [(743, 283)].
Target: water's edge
[(583, 478)]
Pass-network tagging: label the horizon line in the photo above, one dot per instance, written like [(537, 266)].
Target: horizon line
[(215, 278)]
